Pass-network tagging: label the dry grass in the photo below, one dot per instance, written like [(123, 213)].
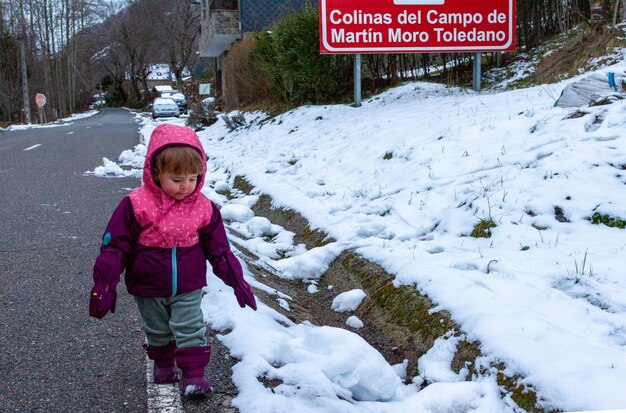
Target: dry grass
[(243, 84), (271, 107), (576, 52), (483, 228)]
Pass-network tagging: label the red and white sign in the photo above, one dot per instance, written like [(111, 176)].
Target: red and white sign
[(40, 98), (414, 26)]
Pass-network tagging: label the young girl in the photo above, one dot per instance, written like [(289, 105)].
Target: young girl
[(161, 234)]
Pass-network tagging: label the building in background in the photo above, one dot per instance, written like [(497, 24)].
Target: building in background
[(225, 21), (159, 74)]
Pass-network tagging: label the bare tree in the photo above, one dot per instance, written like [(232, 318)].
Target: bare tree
[(619, 12), (135, 35), (10, 101), (179, 21)]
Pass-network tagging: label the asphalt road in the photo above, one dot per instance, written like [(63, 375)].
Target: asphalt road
[(53, 356)]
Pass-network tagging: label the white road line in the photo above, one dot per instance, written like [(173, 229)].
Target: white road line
[(162, 398), (32, 147)]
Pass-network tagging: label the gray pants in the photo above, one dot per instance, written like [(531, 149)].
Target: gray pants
[(169, 318)]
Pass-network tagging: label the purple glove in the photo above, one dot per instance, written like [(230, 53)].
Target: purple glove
[(101, 300), (244, 295), (228, 269)]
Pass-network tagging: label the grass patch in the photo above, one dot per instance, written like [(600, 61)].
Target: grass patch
[(581, 49), (523, 396), (271, 108), (577, 50), (608, 220), (483, 228), (465, 357)]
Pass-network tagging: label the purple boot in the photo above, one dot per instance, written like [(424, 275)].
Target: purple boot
[(192, 361), (164, 365)]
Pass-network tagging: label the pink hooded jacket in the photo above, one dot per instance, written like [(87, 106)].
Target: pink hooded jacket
[(163, 244), (166, 222)]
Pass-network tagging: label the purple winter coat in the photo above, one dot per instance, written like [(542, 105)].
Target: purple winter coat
[(168, 263)]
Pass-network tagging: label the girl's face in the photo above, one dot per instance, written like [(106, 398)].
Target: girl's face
[(178, 186)]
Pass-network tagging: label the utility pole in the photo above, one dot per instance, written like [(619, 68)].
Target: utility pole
[(24, 81)]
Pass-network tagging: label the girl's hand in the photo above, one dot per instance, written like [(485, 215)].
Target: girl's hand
[(101, 301), (244, 295)]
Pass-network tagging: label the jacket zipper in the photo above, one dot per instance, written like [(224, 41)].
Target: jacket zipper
[(174, 273)]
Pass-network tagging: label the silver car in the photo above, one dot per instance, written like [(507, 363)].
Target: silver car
[(164, 107), (178, 97)]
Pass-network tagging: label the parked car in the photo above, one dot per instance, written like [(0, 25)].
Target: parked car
[(178, 97), (208, 102), (163, 107), (160, 89)]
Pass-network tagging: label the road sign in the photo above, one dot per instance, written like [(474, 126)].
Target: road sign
[(414, 26), (40, 98), (205, 88)]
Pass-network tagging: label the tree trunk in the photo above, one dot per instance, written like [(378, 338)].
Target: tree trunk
[(598, 13)]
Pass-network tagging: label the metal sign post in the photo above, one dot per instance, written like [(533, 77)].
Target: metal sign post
[(357, 80), (476, 72), (40, 98)]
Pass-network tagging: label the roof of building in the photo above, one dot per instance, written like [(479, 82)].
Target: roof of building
[(257, 14), (159, 72)]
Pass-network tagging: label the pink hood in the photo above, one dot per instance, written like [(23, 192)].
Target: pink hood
[(166, 135), (166, 222)]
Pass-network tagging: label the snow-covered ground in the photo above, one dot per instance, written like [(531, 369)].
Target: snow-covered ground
[(402, 181), (60, 122)]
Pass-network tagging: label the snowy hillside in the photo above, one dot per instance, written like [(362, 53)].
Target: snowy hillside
[(403, 180)]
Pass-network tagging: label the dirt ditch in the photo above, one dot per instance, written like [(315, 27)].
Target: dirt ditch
[(399, 322)]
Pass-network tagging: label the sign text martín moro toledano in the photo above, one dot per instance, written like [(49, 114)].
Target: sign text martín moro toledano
[(416, 26)]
